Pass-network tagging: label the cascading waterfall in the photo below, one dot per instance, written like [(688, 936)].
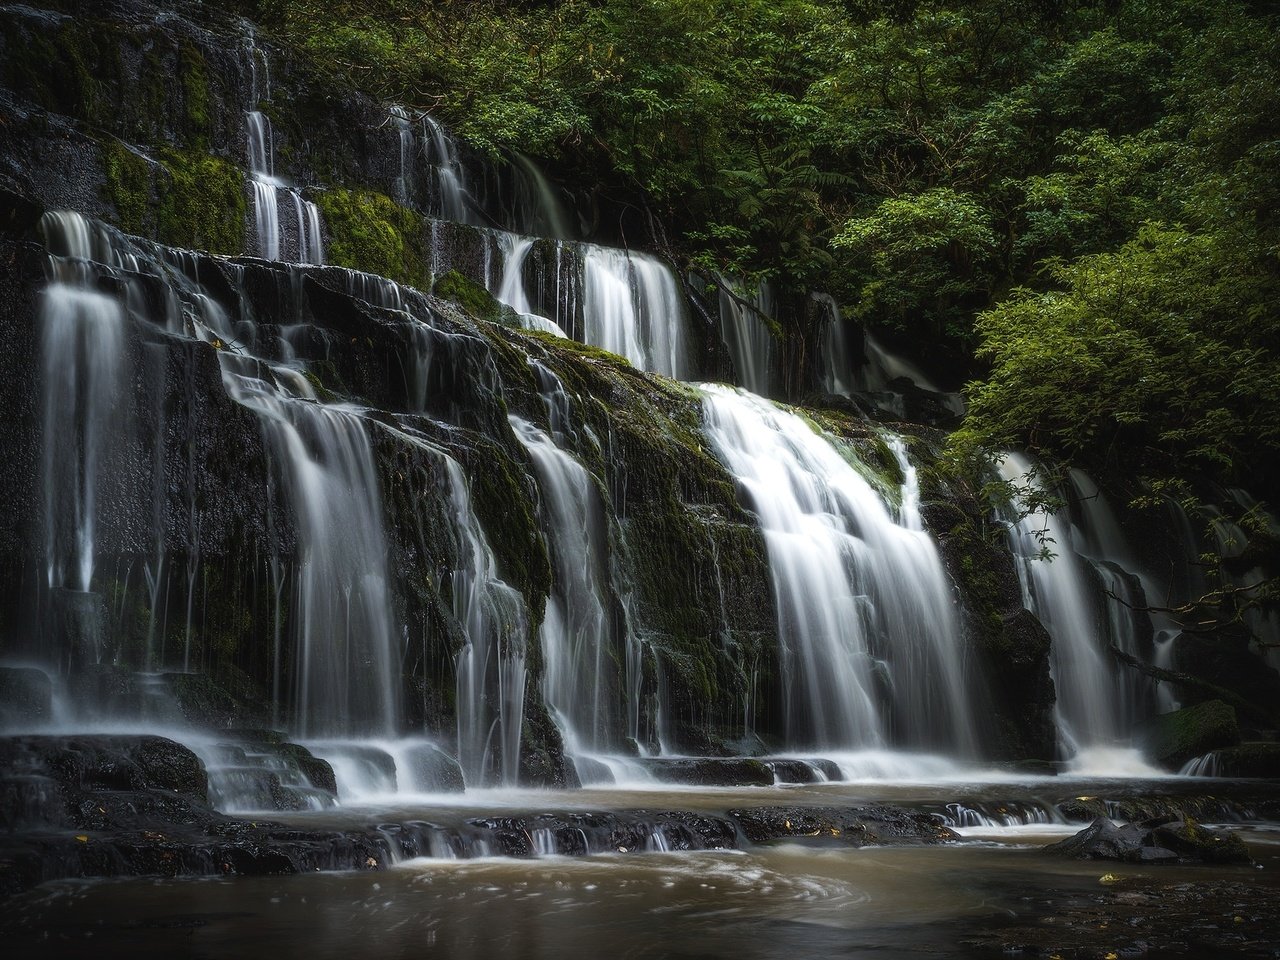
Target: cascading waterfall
[(867, 663), (842, 374), (495, 621), (267, 187), (628, 303), (1085, 604), (745, 332), (633, 306), (577, 634), (347, 661), (452, 200), (82, 348), (538, 208), (838, 376)]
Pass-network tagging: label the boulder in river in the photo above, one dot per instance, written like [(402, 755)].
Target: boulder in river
[(1153, 841)]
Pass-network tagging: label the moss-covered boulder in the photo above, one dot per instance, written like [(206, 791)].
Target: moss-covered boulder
[(1172, 739)]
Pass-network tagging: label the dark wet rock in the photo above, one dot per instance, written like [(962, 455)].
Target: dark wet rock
[(437, 772), (711, 771), (1131, 917), (817, 770), (1172, 739), (207, 702), (107, 806), (1011, 645), (90, 763), (1255, 760), (1164, 807), (26, 696), (1173, 841), (843, 826)]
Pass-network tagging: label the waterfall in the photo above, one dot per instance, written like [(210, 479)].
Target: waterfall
[(405, 188), (347, 658), (628, 303), (577, 634), (1084, 599), (452, 200), (267, 187), (510, 288), (82, 352), (491, 674), (838, 363), (633, 306), (866, 662), (538, 208), (266, 210), (877, 372), (745, 332)]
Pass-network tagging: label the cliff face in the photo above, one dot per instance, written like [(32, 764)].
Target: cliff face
[(199, 562), (298, 438)]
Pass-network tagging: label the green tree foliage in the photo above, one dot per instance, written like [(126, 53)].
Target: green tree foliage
[(1076, 200)]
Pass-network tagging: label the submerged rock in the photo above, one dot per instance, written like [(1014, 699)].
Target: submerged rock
[(1170, 841), (842, 826), (711, 771)]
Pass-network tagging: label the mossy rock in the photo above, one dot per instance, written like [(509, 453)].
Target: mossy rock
[(202, 204), (369, 231), (474, 299), (1172, 739)]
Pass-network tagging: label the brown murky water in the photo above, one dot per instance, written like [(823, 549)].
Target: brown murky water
[(783, 901)]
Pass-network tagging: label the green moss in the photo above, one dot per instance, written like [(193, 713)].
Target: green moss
[(470, 296), (369, 231), (194, 75), (202, 206), (127, 186), (53, 69)]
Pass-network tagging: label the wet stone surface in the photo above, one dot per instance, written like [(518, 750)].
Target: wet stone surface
[(1138, 917)]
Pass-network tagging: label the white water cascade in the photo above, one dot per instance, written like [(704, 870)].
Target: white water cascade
[(867, 662), (1084, 600), (347, 669), (491, 676), (267, 190), (578, 635), (844, 375), (82, 344), (746, 333), (451, 200), (625, 302), (633, 306), (267, 187)]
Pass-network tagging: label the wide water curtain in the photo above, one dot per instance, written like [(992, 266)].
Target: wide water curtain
[(866, 662)]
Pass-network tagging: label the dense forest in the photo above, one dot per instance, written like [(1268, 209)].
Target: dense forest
[(1073, 202)]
